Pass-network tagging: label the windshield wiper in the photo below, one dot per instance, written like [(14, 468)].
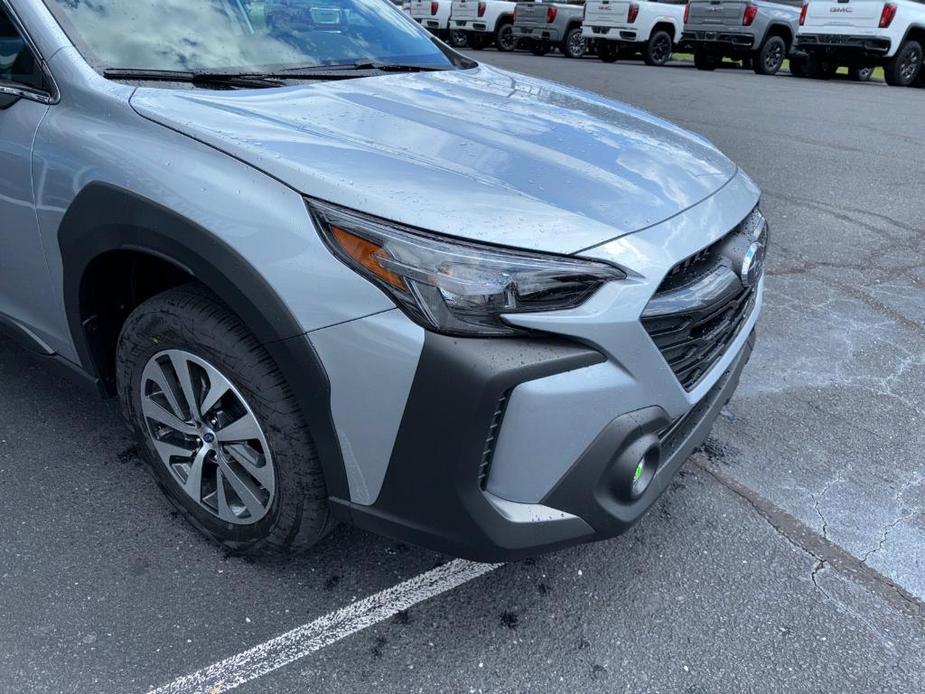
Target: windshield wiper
[(198, 78), (315, 70), (261, 79)]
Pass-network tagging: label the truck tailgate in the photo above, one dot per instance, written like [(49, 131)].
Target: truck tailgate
[(465, 9), (863, 14), (606, 12), (420, 9), (531, 13), (716, 13)]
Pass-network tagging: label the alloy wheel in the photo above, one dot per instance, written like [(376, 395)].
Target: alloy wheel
[(910, 65), (576, 44), (506, 38), (661, 49), (774, 58), (208, 437)]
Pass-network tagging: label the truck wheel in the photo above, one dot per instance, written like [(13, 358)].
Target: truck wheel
[(218, 425), (608, 51), (504, 38), (540, 48), (657, 51), (770, 56), (704, 60), (858, 73), (475, 40), (574, 44), (902, 69), (458, 39)]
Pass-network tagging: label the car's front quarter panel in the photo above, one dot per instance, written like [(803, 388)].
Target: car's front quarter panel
[(94, 137)]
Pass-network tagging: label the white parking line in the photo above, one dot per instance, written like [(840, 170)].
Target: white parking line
[(308, 638)]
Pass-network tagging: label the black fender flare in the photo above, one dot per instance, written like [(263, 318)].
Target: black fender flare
[(104, 218), (779, 28)]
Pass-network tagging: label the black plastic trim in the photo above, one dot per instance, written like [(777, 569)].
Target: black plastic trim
[(104, 218), (431, 494)]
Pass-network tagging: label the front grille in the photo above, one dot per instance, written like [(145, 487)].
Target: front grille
[(492, 439), (701, 306)]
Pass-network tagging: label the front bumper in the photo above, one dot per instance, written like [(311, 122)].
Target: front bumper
[(537, 33), (844, 46), (432, 495), (720, 39)]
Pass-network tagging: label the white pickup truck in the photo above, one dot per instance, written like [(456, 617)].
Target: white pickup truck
[(864, 33), (624, 28), (434, 15), (485, 22)]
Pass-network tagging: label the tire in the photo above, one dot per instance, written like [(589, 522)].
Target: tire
[(657, 50), (798, 67), (458, 39), (860, 73), (540, 48), (903, 68), (770, 57), (504, 37), (704, 60), (475, 40), (608, 51), (287, 509), (573, 45)]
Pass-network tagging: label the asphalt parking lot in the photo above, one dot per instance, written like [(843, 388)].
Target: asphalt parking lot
[(789, 555)]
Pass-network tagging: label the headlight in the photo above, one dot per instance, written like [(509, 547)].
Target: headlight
[(455, 286)]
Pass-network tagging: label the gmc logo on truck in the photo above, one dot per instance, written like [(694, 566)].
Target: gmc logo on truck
[(845, 10)]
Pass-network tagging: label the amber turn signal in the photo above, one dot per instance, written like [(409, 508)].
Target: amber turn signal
[(367, 254)]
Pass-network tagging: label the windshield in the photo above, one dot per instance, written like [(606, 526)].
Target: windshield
[(244, 35)]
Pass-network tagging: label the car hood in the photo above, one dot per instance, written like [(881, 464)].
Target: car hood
[(481, 154)]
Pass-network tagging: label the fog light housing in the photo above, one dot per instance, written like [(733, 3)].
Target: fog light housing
[(643, 473)]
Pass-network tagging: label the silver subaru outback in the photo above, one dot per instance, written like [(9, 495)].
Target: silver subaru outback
[(335, 271)]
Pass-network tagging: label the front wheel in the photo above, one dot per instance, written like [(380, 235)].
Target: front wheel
[(858, 73), (657, 50), (504, 38), (218, 425), (903, 68), (704, 60), (608, 51), (770, 56), (458, 39), (574, 44)]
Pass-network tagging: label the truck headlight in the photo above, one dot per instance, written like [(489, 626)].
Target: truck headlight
[(453, 286)]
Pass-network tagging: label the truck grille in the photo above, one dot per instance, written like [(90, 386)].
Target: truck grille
[(702, 304)]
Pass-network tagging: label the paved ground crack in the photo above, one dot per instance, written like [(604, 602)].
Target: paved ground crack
[(827, 554)]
